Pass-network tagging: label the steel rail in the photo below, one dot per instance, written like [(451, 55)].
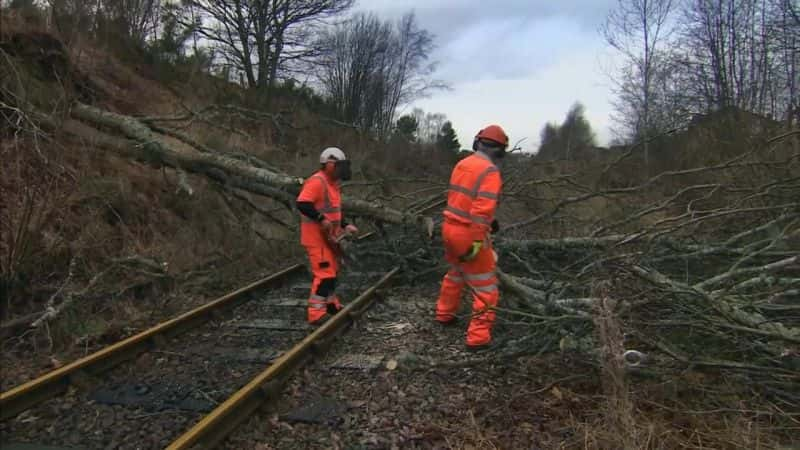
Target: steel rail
[(215, 427), (44, 387), (24, 396)]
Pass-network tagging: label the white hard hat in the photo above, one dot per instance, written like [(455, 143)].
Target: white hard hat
[(332, 154)]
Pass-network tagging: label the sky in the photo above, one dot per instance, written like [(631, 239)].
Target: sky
[(517, 63)]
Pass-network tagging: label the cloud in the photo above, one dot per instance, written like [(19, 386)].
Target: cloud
[(511, 48), (519, 63), (468, 32), (524, 105), (451, 17)]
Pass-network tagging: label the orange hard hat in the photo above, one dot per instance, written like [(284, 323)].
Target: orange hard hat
[(495, 134)]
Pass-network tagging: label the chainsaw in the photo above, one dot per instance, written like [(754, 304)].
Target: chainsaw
[(340, 242)]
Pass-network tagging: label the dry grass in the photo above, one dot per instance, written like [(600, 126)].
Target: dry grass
[(79, 206), (87, 209), (618, 408)]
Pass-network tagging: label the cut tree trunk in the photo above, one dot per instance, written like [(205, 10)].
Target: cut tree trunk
[(151, 146)]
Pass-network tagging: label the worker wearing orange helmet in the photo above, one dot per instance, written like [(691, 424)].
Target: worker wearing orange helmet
[(475, 186), (321, 223)]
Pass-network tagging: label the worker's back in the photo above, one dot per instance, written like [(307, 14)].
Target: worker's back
[(467, 181)]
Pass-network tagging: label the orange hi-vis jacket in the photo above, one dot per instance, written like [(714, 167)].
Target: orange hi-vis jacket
[(326, 197), (475, 186)]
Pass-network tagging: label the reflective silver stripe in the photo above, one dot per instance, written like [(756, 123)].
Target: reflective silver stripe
[(474, 193), (479, 276), (462, 189), (454, 278), (489, 288), (479, 219), (466, 215), (316, 302), (487, 171), (458, 212)]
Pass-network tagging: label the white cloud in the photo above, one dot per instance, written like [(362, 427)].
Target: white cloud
[(518, 63), (508, 48), (524, 105)]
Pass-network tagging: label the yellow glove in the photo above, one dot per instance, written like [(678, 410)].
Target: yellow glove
[(473, 251)]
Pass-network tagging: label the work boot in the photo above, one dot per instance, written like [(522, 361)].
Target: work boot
[(318, 320), (448, 323), (315, 316), (334, 307)]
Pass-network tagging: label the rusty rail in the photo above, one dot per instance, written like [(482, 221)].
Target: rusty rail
[(213, 428), (24, 396)]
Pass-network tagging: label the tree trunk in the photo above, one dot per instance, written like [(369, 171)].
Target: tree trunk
[(152, 146)]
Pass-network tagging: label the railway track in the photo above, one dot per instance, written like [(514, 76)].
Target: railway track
[(24, 396), (232, 354), (201, 373)]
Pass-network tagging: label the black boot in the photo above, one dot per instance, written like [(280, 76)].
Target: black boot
[(333, 309)]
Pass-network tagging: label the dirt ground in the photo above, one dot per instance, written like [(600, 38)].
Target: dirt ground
[(427, 391)]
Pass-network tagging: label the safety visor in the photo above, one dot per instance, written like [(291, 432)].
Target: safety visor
[(342, 169), (492, 144)]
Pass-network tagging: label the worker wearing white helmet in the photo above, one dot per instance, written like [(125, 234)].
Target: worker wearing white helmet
[(321, 225)]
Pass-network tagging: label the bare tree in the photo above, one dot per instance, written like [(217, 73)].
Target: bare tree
[(742, 54), (70, 17), (638, 29), (429, 125), (260, 37), (371, 67), (709, 55), (137, 19), (785, 28)]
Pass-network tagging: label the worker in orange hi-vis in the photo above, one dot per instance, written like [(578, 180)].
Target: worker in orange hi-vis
[(321, 223), (475, 186)]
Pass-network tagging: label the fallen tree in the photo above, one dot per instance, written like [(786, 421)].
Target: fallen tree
[(696, 266), (149, 145), (696, 276)]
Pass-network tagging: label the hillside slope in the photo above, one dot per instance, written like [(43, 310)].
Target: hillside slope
[(112, 243)]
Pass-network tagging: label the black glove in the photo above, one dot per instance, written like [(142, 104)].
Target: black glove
[(495, 226)]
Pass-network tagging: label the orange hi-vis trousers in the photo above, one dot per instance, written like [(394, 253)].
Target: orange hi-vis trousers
[(478, 274), (324, 267)]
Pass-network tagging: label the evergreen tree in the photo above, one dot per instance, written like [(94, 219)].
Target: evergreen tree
[(447, 139), (548, 147), (406, 128), (576, 132), (568, 140)]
